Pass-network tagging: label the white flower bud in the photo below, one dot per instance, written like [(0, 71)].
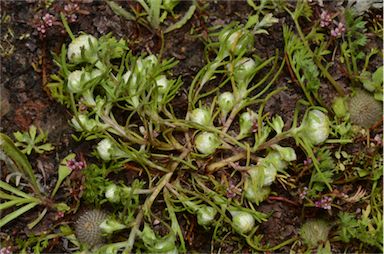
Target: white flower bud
[(87, 123), (243, 222), (149, 62), (244, 70), (254, 193), (247, 120), (207, 142), (112, 193), (206, 215), (164, 245), (95, 73), (237, 41), (86, 43), (201, 116), (226, 101), (286, 153), (104, 148), (339, 106), (264, 171), (315, 127), (162, 83), (76, 80)]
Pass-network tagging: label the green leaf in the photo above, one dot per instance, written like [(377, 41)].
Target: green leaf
[(14, 202), (8, 151), (32, 132), (13, 215), (62, 207), (277, 124), (187, 16), (8, 187), (46, 147), (19, 136), (377, 76), (38, 219), (64, 171)]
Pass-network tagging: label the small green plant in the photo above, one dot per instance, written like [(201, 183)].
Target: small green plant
[(368, 229), (17, 162), (373, 82), (30, 141), (156, 12), (305, 63)]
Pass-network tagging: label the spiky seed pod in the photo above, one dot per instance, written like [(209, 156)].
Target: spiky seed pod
[(314, 232), (365, 111), (87, 227)]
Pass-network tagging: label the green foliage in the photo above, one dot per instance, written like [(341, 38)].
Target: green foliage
[(355, 40), (325, 175), (368, 229), (373, 82), (29, 141), (15, 198), (17, 162), (302, 63), (95, 183), (156, 12)]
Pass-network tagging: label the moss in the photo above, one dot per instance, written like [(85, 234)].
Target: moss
[(87, 227), (364, 109)]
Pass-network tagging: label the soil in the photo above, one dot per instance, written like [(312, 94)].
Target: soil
[(26, 63)]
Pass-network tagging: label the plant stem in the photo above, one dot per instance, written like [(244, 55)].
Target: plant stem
[(149, 201), (276, 247), (337, 87), (220, 164), (66, 26)]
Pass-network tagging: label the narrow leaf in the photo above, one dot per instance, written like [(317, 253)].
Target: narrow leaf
[(17, 213)]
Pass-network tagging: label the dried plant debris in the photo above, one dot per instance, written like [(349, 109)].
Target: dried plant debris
[(87, 227), (364, 109)]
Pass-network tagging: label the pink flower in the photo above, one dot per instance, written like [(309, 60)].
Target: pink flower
[(339, 30), (6, 250), (324, 203), (325, 19)]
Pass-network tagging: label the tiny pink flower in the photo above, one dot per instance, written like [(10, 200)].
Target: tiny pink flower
[(325, 19)]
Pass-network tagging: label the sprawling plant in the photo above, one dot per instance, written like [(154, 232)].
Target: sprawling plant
[(215, 158)]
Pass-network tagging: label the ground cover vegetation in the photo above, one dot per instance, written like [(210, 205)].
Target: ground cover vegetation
[(262, 133)]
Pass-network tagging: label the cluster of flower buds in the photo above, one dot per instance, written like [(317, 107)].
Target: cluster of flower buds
[(6, 250), (74, 164), (43, 23), (325, 18), (303, 193), (325, 203), (339, 30), (70, 11)]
